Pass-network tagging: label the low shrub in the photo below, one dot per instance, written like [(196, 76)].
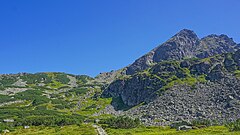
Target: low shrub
[(233, 126), (201, 123), (50, 120), (121, 122)]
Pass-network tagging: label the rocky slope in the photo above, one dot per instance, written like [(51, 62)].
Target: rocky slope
[(211, 100), (185, 78)]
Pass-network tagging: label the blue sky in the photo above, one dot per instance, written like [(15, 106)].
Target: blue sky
[(93, 36)]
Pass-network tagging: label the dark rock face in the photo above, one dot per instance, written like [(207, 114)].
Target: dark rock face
[(217, 73), (184, 44), (144, 86), (201, 68), (236, 57), (137, 89)]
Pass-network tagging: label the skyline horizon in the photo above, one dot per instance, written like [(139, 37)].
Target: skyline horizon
[(129, 63)]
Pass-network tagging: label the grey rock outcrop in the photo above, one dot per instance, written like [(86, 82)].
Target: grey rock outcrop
[(213, 57), (142, 89), (145, 86)]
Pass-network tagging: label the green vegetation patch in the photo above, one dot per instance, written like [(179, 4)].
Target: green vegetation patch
[(79, 90), (7, 80), (237, 73), (5, 98), (62, 78), (83, 129), (123, 122), (36, 78), (36, 96), (50, 120), (83, 79), (234, 126)]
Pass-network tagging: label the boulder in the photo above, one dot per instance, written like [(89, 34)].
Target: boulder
[(184, 127)]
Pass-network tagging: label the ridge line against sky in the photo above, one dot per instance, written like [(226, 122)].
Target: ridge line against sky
[(89, 37)]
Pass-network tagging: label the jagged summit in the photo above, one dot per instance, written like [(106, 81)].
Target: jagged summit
[(187, 33), (219, 39), (183, 37), (184, 44), (223, 36), (179, 46)]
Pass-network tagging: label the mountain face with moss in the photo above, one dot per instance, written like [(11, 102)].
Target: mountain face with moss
[(144, 86), (185, 78), (184, 45)]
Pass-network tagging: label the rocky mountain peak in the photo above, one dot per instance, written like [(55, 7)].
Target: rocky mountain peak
[(178, 47), (186, 33), (181, 45), (184, 44)]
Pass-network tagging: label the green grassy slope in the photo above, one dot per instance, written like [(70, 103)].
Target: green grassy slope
[(215, 130), (66, 130)]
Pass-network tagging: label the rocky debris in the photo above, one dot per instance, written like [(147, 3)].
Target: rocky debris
[(20, 83), (108, 77), (83, 98), (12, 91), (109, 109), (218, 101), (73, 81)]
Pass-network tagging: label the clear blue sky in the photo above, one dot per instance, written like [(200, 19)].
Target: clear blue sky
[(93, 36)]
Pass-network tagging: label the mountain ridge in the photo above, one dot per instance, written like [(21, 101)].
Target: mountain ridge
[(151, 58), (184, 44), (184, 78)]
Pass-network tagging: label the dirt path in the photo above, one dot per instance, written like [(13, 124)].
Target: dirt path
[(100, 130)]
